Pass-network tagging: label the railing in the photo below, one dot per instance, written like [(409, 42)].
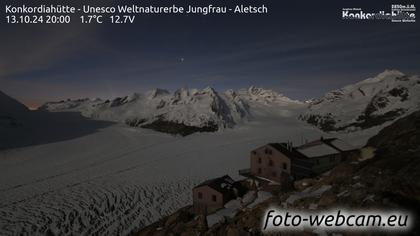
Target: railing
[(245, 171)]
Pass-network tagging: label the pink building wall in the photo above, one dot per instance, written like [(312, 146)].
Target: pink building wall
[(268, 162), (206, 203)]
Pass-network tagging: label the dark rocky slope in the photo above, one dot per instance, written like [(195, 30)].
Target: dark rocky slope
[(11, 111)]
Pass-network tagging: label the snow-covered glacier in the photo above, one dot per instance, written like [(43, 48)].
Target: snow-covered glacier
[(109, 178), (87, 167)]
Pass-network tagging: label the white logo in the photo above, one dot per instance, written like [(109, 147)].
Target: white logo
[(398, 13)]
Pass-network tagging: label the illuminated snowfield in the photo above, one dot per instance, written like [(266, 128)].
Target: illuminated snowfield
[(119, 179)]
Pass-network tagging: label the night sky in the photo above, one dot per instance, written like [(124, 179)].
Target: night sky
[(301, 49)]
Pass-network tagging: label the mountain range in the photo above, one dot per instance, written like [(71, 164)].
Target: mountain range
[(368, 103), (183, 112)]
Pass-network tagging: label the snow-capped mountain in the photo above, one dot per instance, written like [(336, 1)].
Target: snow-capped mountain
[(185, 111), (371, 102), (10, 110)]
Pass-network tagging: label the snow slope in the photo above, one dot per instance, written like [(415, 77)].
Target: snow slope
[(112, 179), (121, 178), (204, 108), (371, 102)]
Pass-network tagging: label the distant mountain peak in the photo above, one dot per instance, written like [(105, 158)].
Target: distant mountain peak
[(368, 103), (386, 74), (390, 72), (156, 92), (10, 105), (182, 92), (258, 91), (11, 111), (209, 89)]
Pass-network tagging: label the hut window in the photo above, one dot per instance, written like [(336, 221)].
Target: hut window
[(259, 171), (214, 198), (270, 163), (259, 160), (200, 195), (268, 151), (284, 166)]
